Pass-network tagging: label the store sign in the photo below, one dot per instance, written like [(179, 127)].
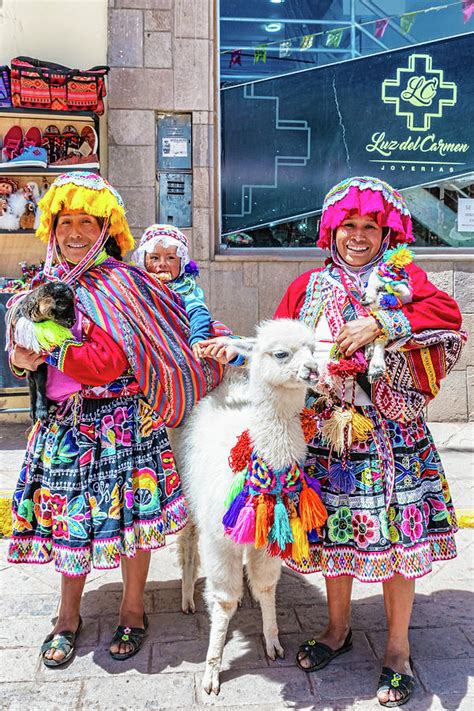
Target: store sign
[(405, 116), (465, 215)]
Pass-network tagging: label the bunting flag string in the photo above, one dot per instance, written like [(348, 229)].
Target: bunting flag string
[(333, 37), (467, 10), (381, 26)]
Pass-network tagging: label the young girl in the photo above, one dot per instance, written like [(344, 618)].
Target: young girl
[(163, 251)]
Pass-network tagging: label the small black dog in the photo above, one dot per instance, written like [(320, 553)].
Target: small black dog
[(52, 301)]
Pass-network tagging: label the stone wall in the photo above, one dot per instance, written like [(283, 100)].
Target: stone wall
[(162, 58)]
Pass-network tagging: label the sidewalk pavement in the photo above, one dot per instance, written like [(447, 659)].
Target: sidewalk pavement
[(167, 673)]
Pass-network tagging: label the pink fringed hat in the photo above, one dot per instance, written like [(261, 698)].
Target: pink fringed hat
[(366, 196)]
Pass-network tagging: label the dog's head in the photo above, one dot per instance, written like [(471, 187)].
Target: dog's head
[(52, 301)]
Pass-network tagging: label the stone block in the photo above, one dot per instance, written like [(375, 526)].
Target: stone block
[(93, 663), (429, 643), (441, 274), (164, 627), (231, 302), (191, 19), (36, 605), (157, 20), (202, 145), (30, 632), (192, 59), (274, 278), (153, 692), (131, 127), (16, 665), (347, 681), (250, 272), (158, 50), (140, 204), (467, 355), (249, 622), (146, 88), (131, 166), (145, 4), (451, 402), (361, 651), (463, 286), (276, 687), (309, 265), (37, 697), (125, 38), (446, 679), (200, 244), (201, 187), (470, 392)]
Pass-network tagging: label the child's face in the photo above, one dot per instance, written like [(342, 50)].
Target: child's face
[(163, 261)]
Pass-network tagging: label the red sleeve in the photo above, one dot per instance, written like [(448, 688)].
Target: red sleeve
[(430, 307), (293, 300), (95, 361)]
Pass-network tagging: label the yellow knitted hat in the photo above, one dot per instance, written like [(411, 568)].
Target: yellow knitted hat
[(80, 190)]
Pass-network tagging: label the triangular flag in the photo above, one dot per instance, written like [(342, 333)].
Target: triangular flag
[(285, 49), (307, 42), (406, 21), (235, 57), (334, 38), (260, 54), (467, 10), (381, 26)]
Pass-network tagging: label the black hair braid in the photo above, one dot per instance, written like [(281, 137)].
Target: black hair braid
[(112, 249)]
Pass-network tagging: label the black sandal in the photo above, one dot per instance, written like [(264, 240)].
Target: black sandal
[(320, 654), (64, 642), (390, 679), (133, 636)]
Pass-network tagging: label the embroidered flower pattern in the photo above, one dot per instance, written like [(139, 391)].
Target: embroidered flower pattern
[(340, 525), (412, 522), (366, 529), (42, 508)]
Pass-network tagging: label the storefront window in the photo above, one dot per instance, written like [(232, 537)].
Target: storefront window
[(290, 134)]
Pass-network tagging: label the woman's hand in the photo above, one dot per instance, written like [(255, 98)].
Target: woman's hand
[(25, 359), (217, 348), (356, 334)]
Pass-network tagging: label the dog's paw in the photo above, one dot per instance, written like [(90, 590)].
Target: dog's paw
[(210, 680), (274, 649), (188, 606)]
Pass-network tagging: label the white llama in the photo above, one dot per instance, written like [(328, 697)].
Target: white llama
[(268, 404)]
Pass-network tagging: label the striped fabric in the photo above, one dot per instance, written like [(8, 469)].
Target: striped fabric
[(150, 324)]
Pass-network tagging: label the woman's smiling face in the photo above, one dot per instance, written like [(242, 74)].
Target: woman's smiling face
[(76, 232), (358, 239)]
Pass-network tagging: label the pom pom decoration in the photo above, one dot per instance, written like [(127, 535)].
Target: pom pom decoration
[(308, 424), (334, 429), (191, 268), (399, 256), (51, 334), (240, 453), (389, 301), (342, 478), (361, 427), (244, 529), (313, 513), (232, 514)]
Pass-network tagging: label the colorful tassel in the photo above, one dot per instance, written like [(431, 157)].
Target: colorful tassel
[(342, 478), (313, 513), (333, 429), (263, 521), (308, 423), (238, 483), (300, 548), (274, 550), (280, 531), (361, 427), (398, 256), (244, 529), (314, 484), (240, 453), (232, 514)]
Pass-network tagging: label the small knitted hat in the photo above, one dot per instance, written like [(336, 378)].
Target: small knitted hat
[(366, 196), (80, 190), (166, 235)]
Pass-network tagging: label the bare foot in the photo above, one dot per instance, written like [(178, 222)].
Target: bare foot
[(127, 619), (400, 663), (333, 638), (63, 624)]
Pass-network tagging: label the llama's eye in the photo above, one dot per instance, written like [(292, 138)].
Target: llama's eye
[(279, 355)]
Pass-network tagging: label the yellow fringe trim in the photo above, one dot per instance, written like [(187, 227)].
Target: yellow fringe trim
[(99, 203), (6, 522)]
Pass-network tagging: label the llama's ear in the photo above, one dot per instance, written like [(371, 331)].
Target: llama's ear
[(243, 346)]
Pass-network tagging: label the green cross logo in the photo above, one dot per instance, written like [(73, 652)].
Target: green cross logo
[(419, 92)]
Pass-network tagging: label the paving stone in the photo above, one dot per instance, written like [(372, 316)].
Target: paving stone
[(125, 38), (361, 651), (164, 627), (16, 579), (347, 681), (463, 291), (192, 61), (131, 127), (446, 679), (191, 19), (158, 50), (131, 166), (26, 605), (140, 204), (105, 601), (93, 662), (146, 88), (249, 622), (30, 632), (158, 20), (38, 697), (274, 686), (153, 691), (20, 664), (429, 643)]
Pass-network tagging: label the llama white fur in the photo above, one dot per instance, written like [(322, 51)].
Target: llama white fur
[(268, 404), (376, 288)]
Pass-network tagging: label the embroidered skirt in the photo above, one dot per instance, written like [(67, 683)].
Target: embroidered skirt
[(369, 538), (96, 484)]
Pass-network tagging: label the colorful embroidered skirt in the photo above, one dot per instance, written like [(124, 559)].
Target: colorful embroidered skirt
[(361, 537), (93, 491)]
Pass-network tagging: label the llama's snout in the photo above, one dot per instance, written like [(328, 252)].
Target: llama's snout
[(308, 372)]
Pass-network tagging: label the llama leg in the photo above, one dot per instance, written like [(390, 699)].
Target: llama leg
[(377, 362), (223, 568), (189, 560), (263, 573)]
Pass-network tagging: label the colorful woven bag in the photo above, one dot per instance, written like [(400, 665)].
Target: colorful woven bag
[(5, 93)]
